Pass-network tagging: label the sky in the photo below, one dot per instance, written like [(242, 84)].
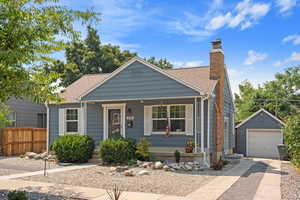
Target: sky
[(260, 38)]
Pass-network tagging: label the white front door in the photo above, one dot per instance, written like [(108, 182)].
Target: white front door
[(263, 142), (113, 120)]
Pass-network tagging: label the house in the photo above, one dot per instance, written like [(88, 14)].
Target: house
[(167, 107), (26, 113), (259, 135)]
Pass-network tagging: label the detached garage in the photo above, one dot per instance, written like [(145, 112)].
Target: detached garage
[(259, 135)]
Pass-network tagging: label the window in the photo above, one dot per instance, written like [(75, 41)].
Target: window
[(72, 120), (159, 118), (42, 120), (13, 119), (164, 115), (177, 118)]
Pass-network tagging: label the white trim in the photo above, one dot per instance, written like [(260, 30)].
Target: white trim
[(254, 114), (257, 129), (208, 123), (85, 117), (195, 126), (147, 64), (106, 107), (47, 147), (202, 125)]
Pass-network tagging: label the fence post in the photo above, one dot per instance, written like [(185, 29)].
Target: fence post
[(32, 140)]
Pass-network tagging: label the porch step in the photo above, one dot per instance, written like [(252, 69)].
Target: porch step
[(184, 157)]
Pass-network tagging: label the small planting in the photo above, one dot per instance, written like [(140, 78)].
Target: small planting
[(218, 165), (190, 145), (177, 156), (17, 195), (73, 148), (142, 150)]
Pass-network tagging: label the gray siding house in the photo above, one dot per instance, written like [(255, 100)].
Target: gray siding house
[(27, 114), (259, 135), (167, 107)]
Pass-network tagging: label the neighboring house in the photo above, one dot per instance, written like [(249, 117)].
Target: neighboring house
[(259, 135), (27, 114), (141, 100)]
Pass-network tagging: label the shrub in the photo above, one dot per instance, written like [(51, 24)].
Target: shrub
[(177, 156), (115, 150), (17, 195), (142, 149), (218, 165), (292, 138), (74, 148)]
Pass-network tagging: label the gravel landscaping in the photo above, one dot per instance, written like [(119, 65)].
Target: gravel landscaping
[(178, 183), (15, 165), (290, 182)]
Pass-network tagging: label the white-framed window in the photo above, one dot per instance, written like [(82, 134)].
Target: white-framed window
[(174, 115), (72, 120), (13, 119)]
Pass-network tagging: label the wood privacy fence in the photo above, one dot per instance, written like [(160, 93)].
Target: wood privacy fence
[(17, 141)]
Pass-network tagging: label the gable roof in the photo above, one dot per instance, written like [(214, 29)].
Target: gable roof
[(256, 113), (196, 78)]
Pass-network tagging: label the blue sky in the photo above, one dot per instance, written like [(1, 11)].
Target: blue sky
[(260, 38)]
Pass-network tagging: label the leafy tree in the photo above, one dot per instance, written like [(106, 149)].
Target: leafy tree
[(292, 138), (89, 56), (162, 63), (31, 30), (280, 96), (4, 112)]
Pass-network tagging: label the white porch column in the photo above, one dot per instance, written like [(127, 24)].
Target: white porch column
[(195, 125), (85, 117), (202, 124), (208, 123)]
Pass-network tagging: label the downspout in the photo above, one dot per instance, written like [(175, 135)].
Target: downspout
[(47, 144)]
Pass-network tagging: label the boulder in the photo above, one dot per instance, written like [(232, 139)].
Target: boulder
[(30, 154), (158, 165), (128, 172), (166, 168), (143, 172), (146, 164), (139, 163), (37, 157), (118, 169), (44, 155)]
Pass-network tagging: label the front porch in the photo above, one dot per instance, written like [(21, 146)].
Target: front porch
[(167, 154)]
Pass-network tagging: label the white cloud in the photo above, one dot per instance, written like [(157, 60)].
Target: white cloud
[(295, 39), (181, 64), (254, 57), (245, 14), (294, 57), (285, 6)]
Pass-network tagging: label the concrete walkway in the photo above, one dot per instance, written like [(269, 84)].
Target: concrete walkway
[(269, 187), (49, 171)]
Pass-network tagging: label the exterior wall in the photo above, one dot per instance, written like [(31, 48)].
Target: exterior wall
[(212, 116), (95, 122), (26, 112), (260, 121), (138, 81), (229, 112)]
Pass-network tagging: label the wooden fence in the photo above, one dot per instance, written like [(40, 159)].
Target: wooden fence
[(17, 141)]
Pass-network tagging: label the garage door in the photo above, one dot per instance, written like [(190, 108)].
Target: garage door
[(263, 143)]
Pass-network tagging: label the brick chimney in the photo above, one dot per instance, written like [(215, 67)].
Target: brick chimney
[(217, 72)]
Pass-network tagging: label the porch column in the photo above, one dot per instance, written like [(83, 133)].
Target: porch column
[(202, 124), (85, 117), (208, 124), (195, 126)]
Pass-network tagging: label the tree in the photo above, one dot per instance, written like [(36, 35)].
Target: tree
[(162, 63), (4, 112), (89, 56), (31, 30), (292, 138), (280, 96)]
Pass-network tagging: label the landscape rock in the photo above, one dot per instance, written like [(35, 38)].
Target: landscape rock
[(146, 164), (118, 169), (158, 165), (166, 167), (30, 154), (139, 163), (144, 172), (37, 157), (43, 155), (129, 172)]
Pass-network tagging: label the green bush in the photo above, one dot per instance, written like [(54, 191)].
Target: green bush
[(17, 195), (74, 148), (114, 150), (292, 138), (177, 156), (142, 149)]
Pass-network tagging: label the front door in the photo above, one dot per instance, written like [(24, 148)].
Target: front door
[(114, 123)]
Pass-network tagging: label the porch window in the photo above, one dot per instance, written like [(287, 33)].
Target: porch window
[(177, 118), (174, 115), (159, 118), (72, 120)]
